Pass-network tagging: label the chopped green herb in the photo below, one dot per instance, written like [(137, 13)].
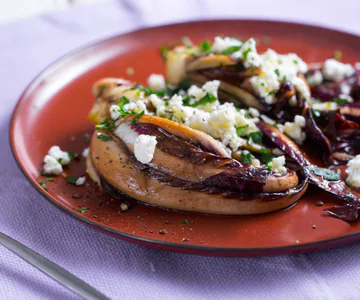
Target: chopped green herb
[(208, 98), (185, 221), (268, 167), (266, 157), (186, 101), (262, 83), (327, 174), (205, 46), (245, 157), (164, 51), (295, 62), (49, 179), (102, 89), (241, 130), (284, 78), (43, 185), (82, 210), (277, 72), (72, 179), (185, 83), (137, 117), (42, 173), (340, 101), (245, 53), (104, 138), (107, 125), (256, 136), (272, 92), (337, 54), (231, 50)]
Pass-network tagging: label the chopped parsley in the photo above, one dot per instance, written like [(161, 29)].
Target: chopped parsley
[(186, 101), (183, 85), (49, 179), (82, 210), (104, 138), (340, 101), (277, 72), (43, 185), (256, 136), (102, 89), (266, 157), (72, 179), (148, 91), (164, 51), (208, 98), (272, 92), (137, 117), (245, 157), (327, 174), (231, 50), (245, 53), (185, 221), (205, 46), (106, 125), (241, 130), (295, 62), (337, 54)]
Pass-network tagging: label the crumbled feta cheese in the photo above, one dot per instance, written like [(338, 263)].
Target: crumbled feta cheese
[(115, 112), (144, 148), (85, 152), (353, 171), (293, 101), (274, 134), (61, 156), (267, 120), (80, 181), (52, 166), (278, 164), (346, 98), (324, 106), (248, 54), (137, 107), (196, 92), (156, 82), (301, 87), (211, 87), (254, 112), (336, 71), (220, 44), (315, 79), (255, 162), (294, 129), (277, 152)]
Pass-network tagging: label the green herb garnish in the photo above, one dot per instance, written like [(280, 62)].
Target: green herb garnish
[(256, 136), (186, 101), (137, 117), (272, 92), (241, 130), (295, 62), (104, 138), (277, 72), (107, 125), (245, 157), (185, 221), (205, 46), (337, 54), (49, 179), (43, 185), (245, 53), (82, 210), (164, 51), (266, 156), (185, 83), (327, 174), (231, 50), (208, 98), (72, 179), (340, 101)]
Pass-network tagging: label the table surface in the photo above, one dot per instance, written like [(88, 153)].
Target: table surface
[(117, 268)]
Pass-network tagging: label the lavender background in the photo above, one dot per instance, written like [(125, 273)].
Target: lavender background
[(119, 269)]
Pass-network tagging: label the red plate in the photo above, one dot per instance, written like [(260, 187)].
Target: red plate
[(53, 111)]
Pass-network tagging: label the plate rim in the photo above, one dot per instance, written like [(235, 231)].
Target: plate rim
[(172, 246)]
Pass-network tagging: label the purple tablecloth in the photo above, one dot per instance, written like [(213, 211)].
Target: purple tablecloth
[(120, 269)]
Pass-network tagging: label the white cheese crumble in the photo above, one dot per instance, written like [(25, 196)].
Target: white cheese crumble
[(315, 79), (144, 148), (61, 156), (85, 152), (220, 44), (294, 129), (267, 120), (353, 171), (52, 166), (278, 164), (156, 82), (324, 106), (336, 71), (254, 112), (80, 181), (115, 112)]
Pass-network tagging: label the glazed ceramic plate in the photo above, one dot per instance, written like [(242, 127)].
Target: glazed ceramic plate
[(53, 111)]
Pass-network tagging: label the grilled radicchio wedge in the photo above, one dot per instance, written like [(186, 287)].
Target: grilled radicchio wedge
[(186, 172)]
